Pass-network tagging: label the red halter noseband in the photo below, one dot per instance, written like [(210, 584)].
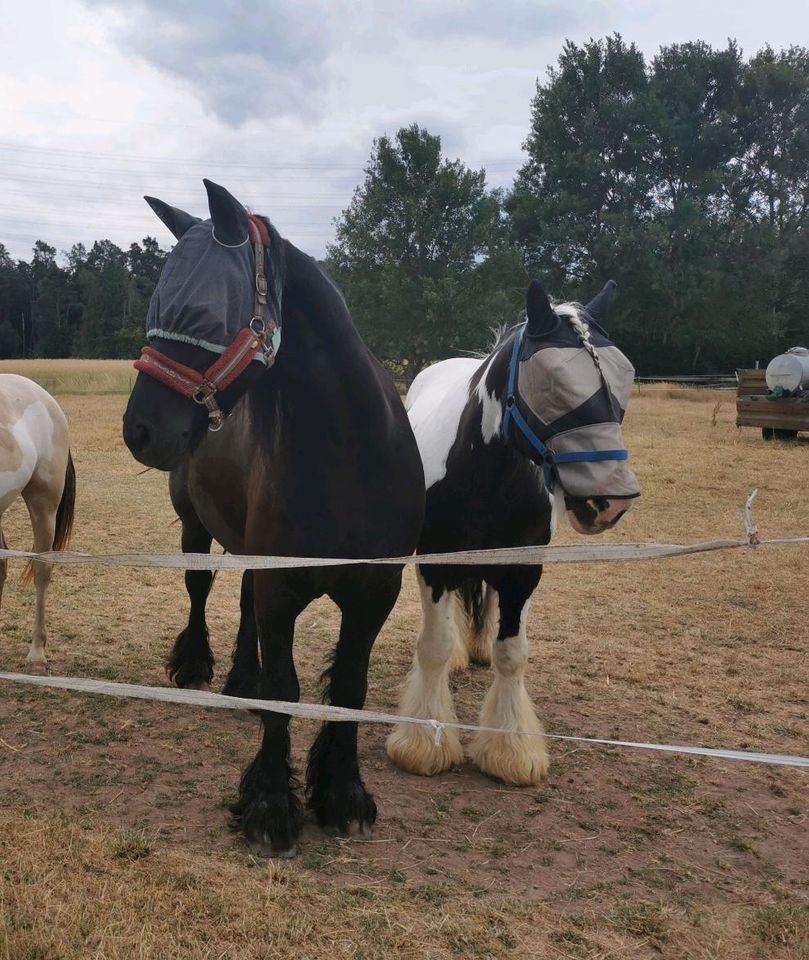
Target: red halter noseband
[(255, 337)]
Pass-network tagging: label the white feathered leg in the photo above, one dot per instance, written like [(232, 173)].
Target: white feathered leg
[(426, 692), (513, 756)]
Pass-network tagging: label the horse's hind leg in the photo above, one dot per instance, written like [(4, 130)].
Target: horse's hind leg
[(477, 628), (3, 565), (191, 661), (335, 791)]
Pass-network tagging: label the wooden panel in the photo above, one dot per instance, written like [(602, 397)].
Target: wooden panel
[(753, 409), (751, 383)]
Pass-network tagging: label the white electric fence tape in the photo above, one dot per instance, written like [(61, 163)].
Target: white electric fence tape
[(318, 711), (501, 556), (314, 711), (576, 553)]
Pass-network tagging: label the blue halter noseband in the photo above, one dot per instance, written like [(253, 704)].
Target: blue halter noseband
[(549, 458)]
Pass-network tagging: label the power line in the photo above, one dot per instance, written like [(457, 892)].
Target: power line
[(228, 164)]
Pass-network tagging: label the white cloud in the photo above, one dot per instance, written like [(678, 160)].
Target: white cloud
[(280, 101)]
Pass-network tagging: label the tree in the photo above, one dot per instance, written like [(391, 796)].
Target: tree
[(686, 180), (414, 251), (103, 282), (583, 192), (769, 206)]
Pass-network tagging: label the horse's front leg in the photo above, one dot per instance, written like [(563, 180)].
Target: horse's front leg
[(335, 791), (426, 693), (518, 754), (191, 661), (268, 810), (242, 679)]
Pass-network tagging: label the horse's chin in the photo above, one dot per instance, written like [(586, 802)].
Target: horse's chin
[(595, 515), (588, 530), (161, 461), (157, 456)]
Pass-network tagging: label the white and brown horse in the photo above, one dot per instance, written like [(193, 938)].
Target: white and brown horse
[(35, 463)]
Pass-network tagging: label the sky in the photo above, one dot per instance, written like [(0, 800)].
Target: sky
[(102, 101)]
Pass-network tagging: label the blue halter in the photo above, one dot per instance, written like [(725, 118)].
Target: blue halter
[(549, 458)]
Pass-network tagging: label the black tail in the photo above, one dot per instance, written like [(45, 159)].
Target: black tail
[(471, 594), (64, 517)]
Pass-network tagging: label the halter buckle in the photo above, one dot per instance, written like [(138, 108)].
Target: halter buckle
[(204, 392)]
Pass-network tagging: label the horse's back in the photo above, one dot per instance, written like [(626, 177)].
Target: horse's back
[(435, 402)]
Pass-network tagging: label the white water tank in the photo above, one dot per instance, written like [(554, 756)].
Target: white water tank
[(789, 370)]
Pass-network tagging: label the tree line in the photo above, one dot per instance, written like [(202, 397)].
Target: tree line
[(94, 305), (684, 177)]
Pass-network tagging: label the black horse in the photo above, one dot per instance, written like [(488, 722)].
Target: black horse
[(506, 442), (297, 445)]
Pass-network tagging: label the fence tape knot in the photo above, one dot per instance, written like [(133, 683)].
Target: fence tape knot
[(753, 536), (438, 730)]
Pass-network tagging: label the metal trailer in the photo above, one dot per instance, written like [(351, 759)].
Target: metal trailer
[(780, 419)]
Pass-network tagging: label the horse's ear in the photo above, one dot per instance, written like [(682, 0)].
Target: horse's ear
[(178, 221), (538, 309), (599, 306), (228, 215)]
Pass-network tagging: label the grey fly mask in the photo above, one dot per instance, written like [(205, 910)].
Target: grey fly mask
[(569, 389)]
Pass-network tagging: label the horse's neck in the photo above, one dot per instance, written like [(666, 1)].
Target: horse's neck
[(480, 450), (324, 374)]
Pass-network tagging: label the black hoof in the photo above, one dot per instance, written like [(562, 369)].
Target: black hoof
[(349, 813), (270, 822), (190, 663), (239, 685)]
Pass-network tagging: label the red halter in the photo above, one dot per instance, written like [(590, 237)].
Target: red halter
[(255, 337)]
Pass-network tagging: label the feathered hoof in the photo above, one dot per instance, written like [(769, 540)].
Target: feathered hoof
[(511, 757), (413, 748)]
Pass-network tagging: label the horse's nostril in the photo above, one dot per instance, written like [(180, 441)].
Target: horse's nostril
[(137, 437)]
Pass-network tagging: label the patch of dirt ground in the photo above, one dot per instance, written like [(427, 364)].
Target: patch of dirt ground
[(105, 805)]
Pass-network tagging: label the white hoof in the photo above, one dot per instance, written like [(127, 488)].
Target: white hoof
[(36, 665), (413, 748), (512, 757)]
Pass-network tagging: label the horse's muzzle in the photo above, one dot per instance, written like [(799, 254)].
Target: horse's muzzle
[(148, 449), (596, 514)]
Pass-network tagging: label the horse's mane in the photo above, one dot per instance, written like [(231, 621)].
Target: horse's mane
[(277, 268)]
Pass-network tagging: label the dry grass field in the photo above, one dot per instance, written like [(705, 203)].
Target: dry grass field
[(113, 821)]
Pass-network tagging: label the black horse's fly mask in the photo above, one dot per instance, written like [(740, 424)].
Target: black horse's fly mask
[(203, 292)]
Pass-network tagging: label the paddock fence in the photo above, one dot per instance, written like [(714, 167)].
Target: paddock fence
[(327, 712)]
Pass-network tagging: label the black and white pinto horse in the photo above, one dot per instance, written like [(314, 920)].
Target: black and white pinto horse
[(296, 445), (504, 442)]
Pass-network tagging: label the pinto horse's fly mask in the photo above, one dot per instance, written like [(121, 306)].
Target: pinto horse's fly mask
[(214, 293), (568, 389)]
